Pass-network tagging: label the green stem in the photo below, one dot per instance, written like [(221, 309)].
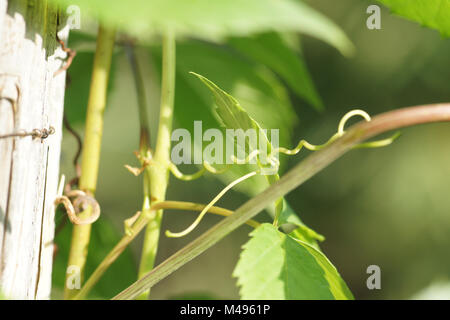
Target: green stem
[(279, 202), (144, 143), (140, 223), (295, 177), (91, 148), (159, 172)]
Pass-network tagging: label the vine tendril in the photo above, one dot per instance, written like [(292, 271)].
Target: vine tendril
[(272, 159), (81, 201), (350, 114), (208, 206)]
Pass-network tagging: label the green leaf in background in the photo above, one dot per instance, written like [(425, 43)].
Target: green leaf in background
[(104, 236), (214, 19), (77, 90), (275, 266), (271, 50), (265, 98), (433, 14)]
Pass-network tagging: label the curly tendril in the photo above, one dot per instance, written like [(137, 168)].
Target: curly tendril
[(272, 160), (80, 202), (207, 167), (208, 206)]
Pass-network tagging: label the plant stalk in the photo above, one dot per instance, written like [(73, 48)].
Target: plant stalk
[(144, 136), (144, 143), (295, 177), (159, 172), (91, 150)]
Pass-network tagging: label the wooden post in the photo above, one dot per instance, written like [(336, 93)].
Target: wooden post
[(31, 97)]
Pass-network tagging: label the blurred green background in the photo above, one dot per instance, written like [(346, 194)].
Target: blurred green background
[(389, 207)]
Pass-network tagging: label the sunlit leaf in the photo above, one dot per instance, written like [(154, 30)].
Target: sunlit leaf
[(275, 266), (234, 116), (434, 14)]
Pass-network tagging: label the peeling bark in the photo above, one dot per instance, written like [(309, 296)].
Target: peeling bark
[(31, 97)]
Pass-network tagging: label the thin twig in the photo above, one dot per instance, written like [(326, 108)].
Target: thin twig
[(142, 100), (159, 174), (69, 59), (79, 145)]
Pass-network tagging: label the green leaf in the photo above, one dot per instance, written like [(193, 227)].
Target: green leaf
[(214, 19), (275, 266), (234, 116), (433, 14), (272, 50)]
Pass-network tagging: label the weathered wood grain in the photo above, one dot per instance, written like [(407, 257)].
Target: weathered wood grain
[(30, 98)]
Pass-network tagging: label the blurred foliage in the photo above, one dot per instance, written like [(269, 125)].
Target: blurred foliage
[(214, 19), (439, 290), (430, 13), (273, 50)]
